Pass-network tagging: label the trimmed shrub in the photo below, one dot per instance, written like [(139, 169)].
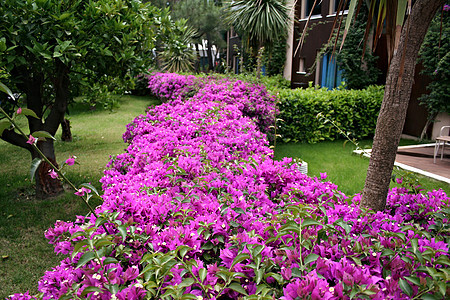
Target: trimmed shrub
[(354, 111)]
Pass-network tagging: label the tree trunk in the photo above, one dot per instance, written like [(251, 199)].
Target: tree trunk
[(209, 53), (46, 186), (66, 135), (197, 62), (259, 55), (395, 103)]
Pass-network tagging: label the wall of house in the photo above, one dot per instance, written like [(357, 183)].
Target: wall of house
[(317, 34)]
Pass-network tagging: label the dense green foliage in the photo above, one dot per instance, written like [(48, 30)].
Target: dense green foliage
[(259, 23), (354, 111), (435, 57), (274, 60), (359, 71), (206, 18)]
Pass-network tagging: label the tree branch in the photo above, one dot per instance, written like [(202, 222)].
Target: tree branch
[(16, 139)]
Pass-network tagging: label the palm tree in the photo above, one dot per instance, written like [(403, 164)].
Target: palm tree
[(260, 22)]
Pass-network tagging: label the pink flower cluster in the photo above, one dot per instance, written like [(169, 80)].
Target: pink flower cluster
[(199, 173)]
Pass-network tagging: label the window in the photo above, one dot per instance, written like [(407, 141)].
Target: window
[(331, 74), (334, 5), (307, 6)]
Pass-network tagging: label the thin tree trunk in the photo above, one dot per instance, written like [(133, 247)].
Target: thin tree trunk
[(209, 53), (45, 185), (395, 103), (430, 120), (259, 55), (197, 62), (66, 135)]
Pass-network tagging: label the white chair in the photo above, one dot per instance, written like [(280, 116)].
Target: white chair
[(441, 139)]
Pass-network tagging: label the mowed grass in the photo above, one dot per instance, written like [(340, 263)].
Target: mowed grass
[(344, 168), (24, 252)]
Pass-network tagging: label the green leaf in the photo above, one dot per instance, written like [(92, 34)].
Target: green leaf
[(237, 288), (310, 258), (90, 289), (42, 134), (78, 246), (414, 280), (406, 288), (183, 250), (187, 282), (101, 243), (240, 257), (85, 258), (309, 221), (29, 112), (91, 187), (259, 275), (123, 231), (35, 163), (110, 260), (202, 274), (442, 287), (3, 126), (414, 244), (443, 260), (2, 44), (6, 90)]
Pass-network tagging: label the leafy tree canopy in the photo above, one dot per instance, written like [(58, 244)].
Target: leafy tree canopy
[(43, 43)]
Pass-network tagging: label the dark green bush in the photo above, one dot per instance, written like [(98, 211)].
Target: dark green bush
[(354, 111)]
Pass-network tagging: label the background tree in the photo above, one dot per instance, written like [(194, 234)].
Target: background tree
[(259, 23), (206, 18), (177, 54), (43, 42), (435, 57)]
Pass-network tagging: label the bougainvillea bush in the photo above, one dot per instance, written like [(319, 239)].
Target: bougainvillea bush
[(196, 208)]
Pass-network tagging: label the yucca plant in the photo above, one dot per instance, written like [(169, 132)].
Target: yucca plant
[(259, 22), (178, 55)]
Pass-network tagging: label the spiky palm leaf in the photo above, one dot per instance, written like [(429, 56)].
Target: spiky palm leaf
[(260, 21), (178, 56)]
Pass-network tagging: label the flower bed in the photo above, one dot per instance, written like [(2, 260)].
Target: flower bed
[(196, 208)]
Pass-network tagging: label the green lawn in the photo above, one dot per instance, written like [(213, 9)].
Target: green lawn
[(343, 168), (25, 253)]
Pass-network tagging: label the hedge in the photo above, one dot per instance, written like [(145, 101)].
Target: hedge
[(354, 111)]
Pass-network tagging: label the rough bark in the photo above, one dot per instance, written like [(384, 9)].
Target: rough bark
[(66, 135), (395, 103), (45, 185)]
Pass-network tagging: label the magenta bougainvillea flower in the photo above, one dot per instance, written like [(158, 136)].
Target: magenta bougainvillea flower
[(71, 161), (198, 172), (53, 174), (31, 140)]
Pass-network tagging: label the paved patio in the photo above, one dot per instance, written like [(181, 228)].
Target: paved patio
[(419, 159)]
